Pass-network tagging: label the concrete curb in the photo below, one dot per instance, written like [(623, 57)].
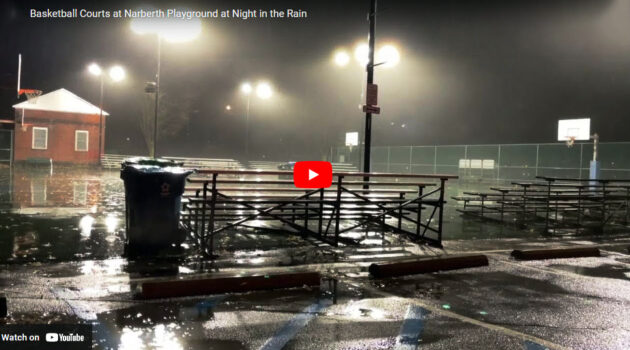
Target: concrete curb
[(183, 288), (541, 254), (427, 266)]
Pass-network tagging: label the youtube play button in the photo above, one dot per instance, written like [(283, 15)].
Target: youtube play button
[(312, 174)]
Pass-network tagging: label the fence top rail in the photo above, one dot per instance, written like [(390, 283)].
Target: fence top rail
[(552, 179), (345, 174)]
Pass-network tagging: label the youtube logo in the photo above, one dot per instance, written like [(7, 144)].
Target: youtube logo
[(312, 174)]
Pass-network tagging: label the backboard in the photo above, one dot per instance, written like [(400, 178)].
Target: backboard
[(578, 129), (352, 138)]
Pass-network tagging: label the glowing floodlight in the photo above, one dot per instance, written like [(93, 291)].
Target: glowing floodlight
[(246, 88), (117, 73), (95, 69), (388, 55), (341, 58), (263, 90), (361, 54)]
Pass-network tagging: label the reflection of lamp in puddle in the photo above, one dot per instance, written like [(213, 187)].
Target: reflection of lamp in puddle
[(111, 222), (165, 339), (86, 225), (130, 339)]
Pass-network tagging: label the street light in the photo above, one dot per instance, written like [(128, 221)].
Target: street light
[(361, 53), (173, 31), (116, 74), (341, 58), (264, 92), (388, 56)]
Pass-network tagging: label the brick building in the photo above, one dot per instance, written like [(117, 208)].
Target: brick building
[(58, 126)]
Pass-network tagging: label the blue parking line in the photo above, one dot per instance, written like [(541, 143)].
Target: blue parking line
[(411, 328), (291, 328), (530, 345)]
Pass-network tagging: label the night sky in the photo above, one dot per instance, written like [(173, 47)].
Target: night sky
[(471, 72)]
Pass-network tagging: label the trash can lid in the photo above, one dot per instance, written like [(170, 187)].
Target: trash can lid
[(160, 162), (156, 169)]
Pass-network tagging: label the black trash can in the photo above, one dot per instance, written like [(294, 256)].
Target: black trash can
[(153, 192)]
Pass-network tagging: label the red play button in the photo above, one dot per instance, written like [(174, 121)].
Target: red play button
[(312, 174)]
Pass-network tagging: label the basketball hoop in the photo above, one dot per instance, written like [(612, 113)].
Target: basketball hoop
[(570, 141), (31, 94)]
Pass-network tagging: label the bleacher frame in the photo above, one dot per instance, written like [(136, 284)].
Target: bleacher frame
[(220, 200)]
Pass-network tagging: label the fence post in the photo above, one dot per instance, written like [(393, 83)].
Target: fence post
[(581, 154), (499, 163), (435, 160), (410, 160), (537, 149), (338, 207), (212, 206)]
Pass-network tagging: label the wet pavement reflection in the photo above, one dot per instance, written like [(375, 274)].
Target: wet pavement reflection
[(61, 243)]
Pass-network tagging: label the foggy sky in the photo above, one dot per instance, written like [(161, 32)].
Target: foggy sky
[(471, 72)]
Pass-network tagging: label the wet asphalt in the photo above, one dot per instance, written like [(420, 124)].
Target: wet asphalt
[(55, 272)]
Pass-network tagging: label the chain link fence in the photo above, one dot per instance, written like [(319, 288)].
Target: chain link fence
[(495, 162)]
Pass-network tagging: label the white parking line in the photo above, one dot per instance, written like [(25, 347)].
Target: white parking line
[(411, 328), (442, 312), (291, 328)]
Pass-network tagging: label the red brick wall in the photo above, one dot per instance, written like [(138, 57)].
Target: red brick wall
[(61, 136)]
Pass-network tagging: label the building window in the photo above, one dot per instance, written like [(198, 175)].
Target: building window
[(81, 140), (40, 138)]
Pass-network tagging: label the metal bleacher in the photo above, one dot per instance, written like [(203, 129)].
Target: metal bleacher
[(218, 201), (273, 166), (113, 161), (556, 204)]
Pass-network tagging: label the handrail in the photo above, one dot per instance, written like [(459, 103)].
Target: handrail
[(347, 174)]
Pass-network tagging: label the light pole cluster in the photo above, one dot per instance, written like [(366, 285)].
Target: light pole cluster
[(386, 56), (369, 57), (173, 32), (264, 91), (116, 74)]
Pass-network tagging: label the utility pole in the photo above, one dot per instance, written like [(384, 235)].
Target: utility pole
[(157, 96), (100, 122), (370, 80)]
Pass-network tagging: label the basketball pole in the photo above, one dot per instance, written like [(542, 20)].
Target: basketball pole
[(370, 79), (19, 74)]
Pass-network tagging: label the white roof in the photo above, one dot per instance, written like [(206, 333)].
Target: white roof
[(60, 100)]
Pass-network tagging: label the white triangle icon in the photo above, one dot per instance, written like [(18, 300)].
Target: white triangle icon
[(312, 174)]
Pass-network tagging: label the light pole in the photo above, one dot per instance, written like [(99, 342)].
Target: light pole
[(264, 92), (370, 80), (246, 89), (116, 74), (157, 96), (388, 57), (174, 32)]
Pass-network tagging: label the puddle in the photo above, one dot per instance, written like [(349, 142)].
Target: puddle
[(604, 270)]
